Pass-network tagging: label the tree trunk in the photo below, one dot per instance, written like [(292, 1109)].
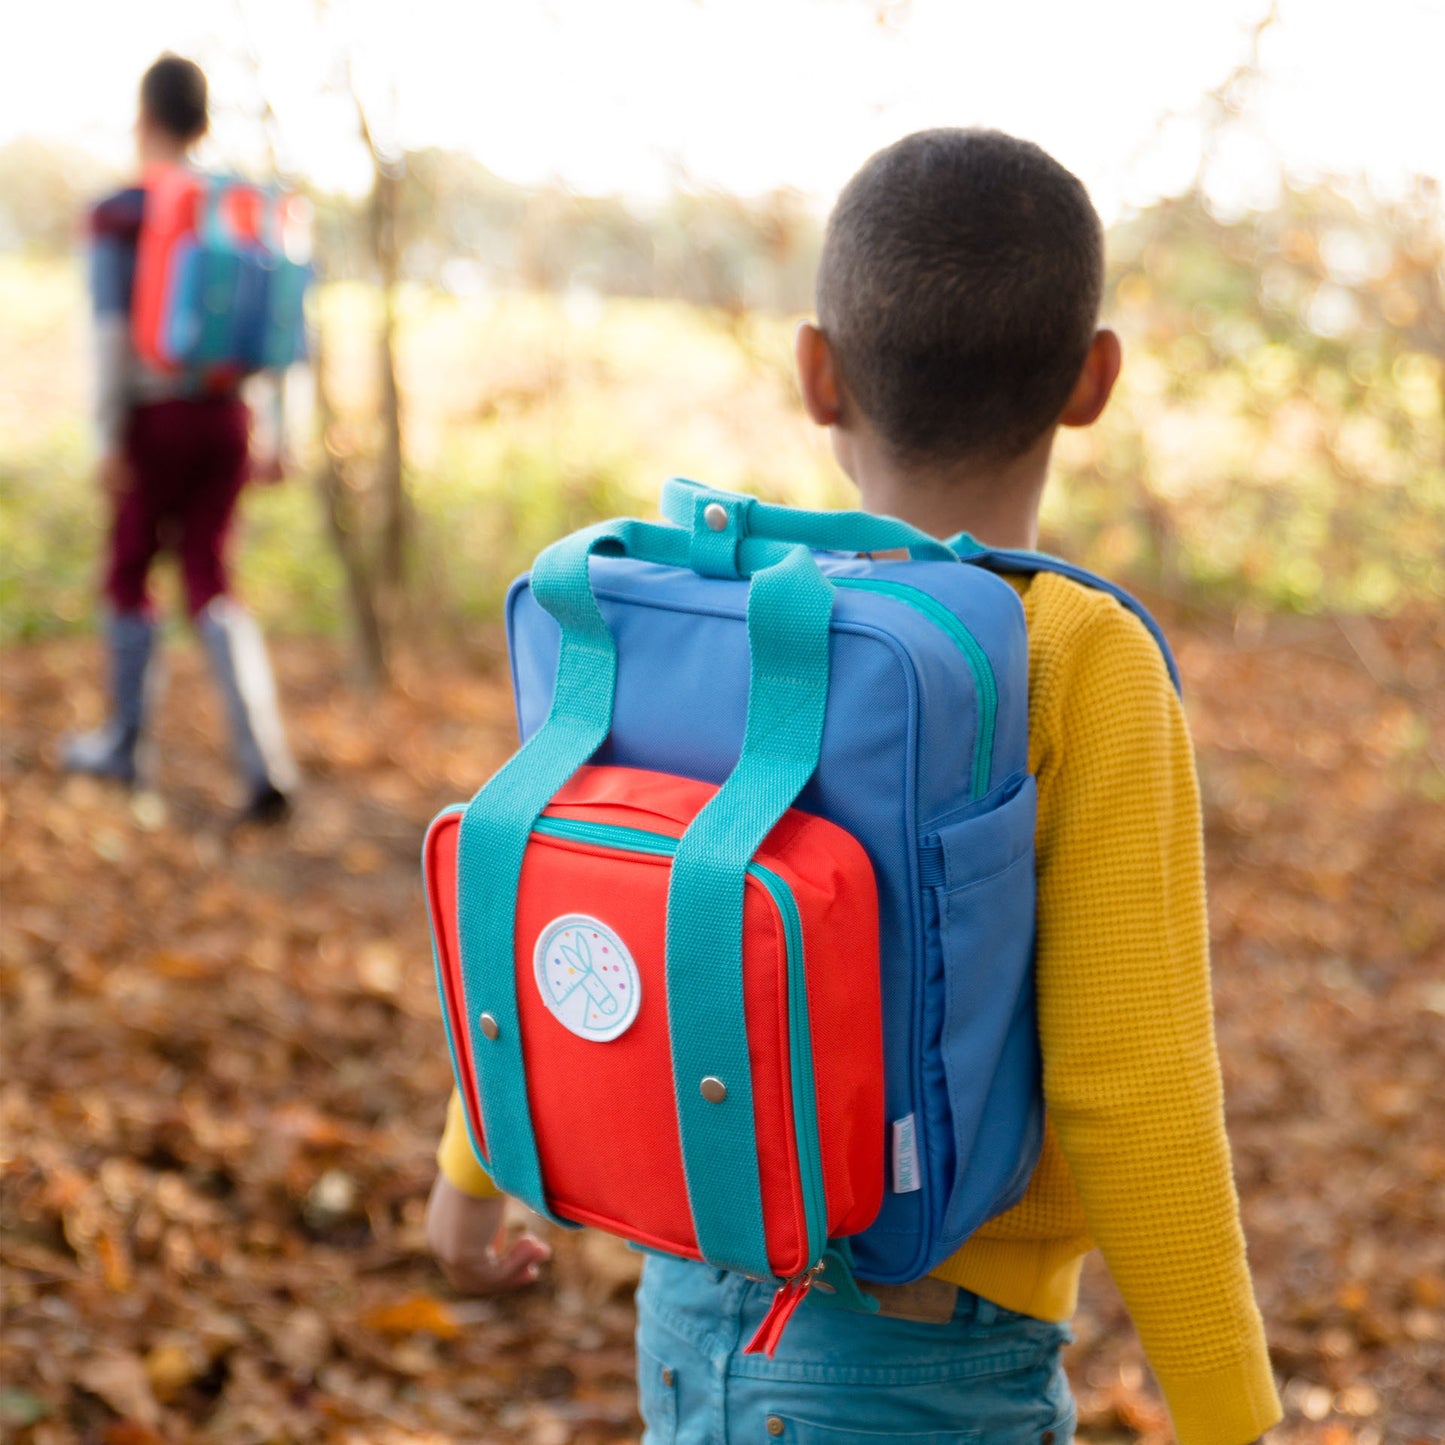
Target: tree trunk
[(395, 520), (346, 536)]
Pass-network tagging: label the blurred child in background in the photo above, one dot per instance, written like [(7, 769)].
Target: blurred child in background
[(174, 456)]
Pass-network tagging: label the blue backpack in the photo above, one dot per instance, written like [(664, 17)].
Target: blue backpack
[(222, 270), (750, 648)]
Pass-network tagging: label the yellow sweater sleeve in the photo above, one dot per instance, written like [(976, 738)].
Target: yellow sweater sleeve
[(1131, 1072), (455, 1158)]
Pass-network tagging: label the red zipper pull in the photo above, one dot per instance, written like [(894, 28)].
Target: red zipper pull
[(789, 1296)]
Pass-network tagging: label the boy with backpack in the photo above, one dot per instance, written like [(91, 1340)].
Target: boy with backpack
[(174, 456), (958, 302)]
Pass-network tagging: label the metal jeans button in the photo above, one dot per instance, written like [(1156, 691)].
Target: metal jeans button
[(775, 1425)]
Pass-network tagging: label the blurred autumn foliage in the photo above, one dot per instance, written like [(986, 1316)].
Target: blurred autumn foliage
[(224, 1073), (1279, 434), (1277, 440)]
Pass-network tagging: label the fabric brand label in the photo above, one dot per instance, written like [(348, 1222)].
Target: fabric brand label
[(586, 977), (905, 1156)]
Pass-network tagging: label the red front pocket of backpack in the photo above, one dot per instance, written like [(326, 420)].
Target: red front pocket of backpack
[(592, 1002)]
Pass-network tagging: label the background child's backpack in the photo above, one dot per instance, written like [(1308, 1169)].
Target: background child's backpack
[(222, 268), (735, 954)]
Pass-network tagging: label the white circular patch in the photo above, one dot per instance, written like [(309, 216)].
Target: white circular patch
[(587, 977)]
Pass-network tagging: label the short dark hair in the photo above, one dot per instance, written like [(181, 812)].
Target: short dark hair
[(959, 288), (173, 95)]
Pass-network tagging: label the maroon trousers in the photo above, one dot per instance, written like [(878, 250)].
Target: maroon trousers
[(188, 464)]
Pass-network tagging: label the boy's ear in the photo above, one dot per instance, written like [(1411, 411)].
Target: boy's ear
[(817, 375), (1096, 381)]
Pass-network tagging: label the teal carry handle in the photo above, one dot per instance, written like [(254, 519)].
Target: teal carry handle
[(720, 523), (789, 609)]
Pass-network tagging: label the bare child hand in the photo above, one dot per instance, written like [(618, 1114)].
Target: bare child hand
[(468, 1238)]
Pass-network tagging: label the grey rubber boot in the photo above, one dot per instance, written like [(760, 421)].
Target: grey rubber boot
[(111, 751), (243, 673)]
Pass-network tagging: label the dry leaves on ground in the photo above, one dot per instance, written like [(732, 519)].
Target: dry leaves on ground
[(224, 1074)]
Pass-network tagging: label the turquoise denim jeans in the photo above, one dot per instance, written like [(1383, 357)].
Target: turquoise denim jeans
[(988, 1376)]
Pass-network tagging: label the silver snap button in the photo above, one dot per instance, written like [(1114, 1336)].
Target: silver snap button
[(713, 1090), (716, 516), (667, 1377), (775, 1425), (490, 1027)]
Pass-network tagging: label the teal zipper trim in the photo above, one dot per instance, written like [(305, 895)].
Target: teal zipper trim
[(607, 835), (800, 1045), (984, 681), (800, 1052)]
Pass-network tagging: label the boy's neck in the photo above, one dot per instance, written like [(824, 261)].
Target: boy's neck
[(159, 149), (995, 502)]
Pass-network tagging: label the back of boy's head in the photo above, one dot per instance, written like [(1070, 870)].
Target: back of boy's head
[(959, 289), (173, 97)]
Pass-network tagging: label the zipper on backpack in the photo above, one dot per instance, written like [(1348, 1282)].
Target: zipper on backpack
[(790, 1294), (985, 684), (619, 837)]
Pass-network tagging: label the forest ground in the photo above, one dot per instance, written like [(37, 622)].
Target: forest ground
[(224, 1073)]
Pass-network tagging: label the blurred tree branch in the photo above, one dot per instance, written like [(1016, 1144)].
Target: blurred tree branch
[(364, 497), (384, 233), (337, 497)]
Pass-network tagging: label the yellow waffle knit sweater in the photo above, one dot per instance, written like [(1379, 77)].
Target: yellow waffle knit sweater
[(1135, 1157)]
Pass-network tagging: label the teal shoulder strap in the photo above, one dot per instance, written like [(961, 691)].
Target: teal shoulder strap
[(998, 559)]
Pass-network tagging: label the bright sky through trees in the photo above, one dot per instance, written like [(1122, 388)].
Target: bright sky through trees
[(747, 95)]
